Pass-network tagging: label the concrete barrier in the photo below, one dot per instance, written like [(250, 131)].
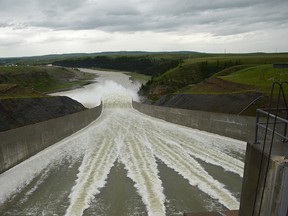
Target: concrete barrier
[(234, 126), (275, 198), (18, 144)]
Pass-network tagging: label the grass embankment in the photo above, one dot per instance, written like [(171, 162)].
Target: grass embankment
[(259, 77), (240, 79), (33, 81), (203, 74)]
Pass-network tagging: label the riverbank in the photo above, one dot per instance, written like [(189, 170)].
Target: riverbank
[(24, 93)]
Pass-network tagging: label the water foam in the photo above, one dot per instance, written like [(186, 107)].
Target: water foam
[(203, 151), (92, 95), (137, 140), (141, 165), (21, 175)]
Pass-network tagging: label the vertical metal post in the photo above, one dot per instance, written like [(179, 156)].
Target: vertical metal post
[(256, 128), (285, 129)]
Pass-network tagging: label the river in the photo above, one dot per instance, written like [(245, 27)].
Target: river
[(126, 163)]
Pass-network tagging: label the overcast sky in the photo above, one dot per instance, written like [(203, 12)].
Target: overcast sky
[(38, 27)]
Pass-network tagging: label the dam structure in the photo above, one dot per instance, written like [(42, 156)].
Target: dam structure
[(128, 162)]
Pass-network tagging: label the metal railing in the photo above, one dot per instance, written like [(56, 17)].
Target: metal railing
[(275, 124), (280, 129)]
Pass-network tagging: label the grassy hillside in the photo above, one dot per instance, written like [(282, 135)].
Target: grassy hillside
[(22, 94), (16, 91), (194, 74), (48, 59), (257, 78), (260, 78), (36, 80)]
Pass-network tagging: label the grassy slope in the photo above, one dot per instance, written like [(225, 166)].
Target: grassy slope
[(246, 80), (16, 91), (185, 77), (240, 79), (37, 80), (259, 77), (192, 68)]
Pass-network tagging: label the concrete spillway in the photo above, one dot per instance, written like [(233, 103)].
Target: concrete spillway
[(127, 163)]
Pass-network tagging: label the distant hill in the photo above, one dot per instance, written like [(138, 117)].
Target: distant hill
[(47, 59), (210, 77), (42, 78), (148, 64)]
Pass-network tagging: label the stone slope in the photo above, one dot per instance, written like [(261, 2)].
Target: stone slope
[(224, 103), (17, 112)]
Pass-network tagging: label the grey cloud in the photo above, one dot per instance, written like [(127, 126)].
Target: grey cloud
[(217, 17), (4, 24), (11, 42)]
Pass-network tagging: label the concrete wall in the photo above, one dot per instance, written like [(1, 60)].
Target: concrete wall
[(21, 143), (275, 199), (234, 126)]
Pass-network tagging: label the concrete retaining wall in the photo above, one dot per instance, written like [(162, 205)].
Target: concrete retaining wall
[(234, 126), (21, 143), (275, 199)]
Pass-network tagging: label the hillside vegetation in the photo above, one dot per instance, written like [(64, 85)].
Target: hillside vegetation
[(191, 75), (153, 64), (31, 81), (22, 94), (236, 84), (176, 76), (260, 78)]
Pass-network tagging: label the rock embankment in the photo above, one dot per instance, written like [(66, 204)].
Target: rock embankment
[(17, 112), (224, 103)]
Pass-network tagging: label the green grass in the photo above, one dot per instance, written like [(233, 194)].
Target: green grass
[(198, 67), (44, 79), (257, 58), (138, 77), (260, 77), (16, 91), (233, 69)]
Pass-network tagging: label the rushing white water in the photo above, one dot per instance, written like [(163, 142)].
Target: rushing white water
[(124, 135)]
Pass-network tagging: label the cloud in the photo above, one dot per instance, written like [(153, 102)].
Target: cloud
[(70, 20), (152, 15)]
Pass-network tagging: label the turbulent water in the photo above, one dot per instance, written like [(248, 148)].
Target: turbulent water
[(127, 163)]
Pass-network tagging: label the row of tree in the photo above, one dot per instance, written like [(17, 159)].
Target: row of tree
[(141, 64)]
